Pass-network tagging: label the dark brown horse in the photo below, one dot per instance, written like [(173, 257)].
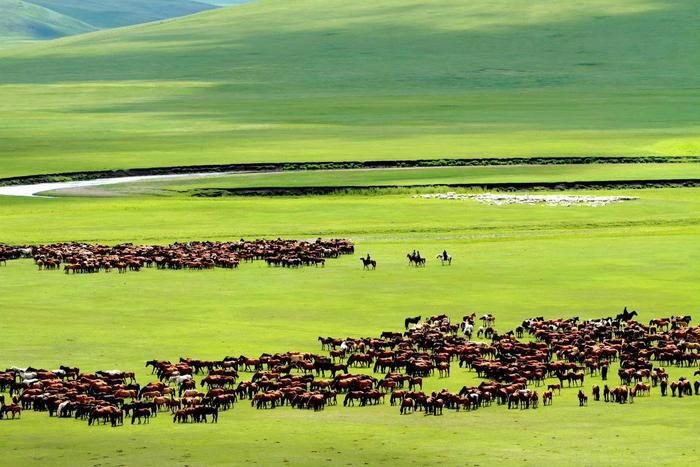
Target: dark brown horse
[(13, 409), (582, 398)]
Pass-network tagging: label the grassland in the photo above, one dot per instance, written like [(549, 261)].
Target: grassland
[(514, 261), (404, 177), (357, 81), (332, 80)]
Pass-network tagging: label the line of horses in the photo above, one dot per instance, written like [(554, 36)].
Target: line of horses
[(414, 259), (93, 258), (367, 371)]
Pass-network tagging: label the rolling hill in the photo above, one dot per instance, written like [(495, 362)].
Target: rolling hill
[(105, 14), (226, 2), (49, 19), (25, 20), (337, 80)]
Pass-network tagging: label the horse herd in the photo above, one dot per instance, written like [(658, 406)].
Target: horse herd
[(93, 258), (366, 371), (77, 257)]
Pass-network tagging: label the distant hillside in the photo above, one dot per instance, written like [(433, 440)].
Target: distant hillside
[(226, 2), (50, 19), (320, 80), (105, 14), (23, 20)]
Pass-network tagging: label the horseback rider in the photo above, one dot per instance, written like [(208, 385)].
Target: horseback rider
[(444, 255), (368, 258)]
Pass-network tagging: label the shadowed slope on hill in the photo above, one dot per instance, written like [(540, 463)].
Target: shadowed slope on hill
[(334, 80), (24, 20), (110, 14)]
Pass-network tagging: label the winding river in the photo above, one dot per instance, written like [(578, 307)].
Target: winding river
[(32, 190)]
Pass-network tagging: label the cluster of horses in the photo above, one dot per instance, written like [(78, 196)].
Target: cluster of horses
[(93, 258), (108, 396), (566, 349), (514, 372), (10, 252)]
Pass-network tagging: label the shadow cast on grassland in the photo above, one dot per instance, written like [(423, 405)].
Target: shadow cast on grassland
[(656, 47)]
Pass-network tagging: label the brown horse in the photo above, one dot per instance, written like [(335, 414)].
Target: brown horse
[(13, 409), (407, 405), (547, 397), (141, 414)]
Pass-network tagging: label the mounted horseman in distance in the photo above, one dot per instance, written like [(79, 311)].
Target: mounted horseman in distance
[(368, 262), (415, 259), (445, 258)]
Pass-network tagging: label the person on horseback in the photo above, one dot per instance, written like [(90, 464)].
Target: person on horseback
[(444, 255)]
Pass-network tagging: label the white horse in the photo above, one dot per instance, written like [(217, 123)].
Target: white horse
[(444, 260), (488, 320), (468, 329), (27, 383), (61, 408), (27, 375), (179, 379)]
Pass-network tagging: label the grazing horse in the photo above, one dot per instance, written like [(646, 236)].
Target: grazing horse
[(366, 263), (468, 329), (407, 406), (139, 414), (488, 320), (409, 321), (14, 409), (547, 397), (582, 398)]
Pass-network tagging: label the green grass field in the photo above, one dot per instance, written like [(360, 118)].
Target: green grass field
[(357, 81), (514, 261), (331, 80), (405, 177)]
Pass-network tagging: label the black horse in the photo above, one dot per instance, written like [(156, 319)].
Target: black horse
[(366, 262), (415, 259), (408, 321), (626, 315)]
